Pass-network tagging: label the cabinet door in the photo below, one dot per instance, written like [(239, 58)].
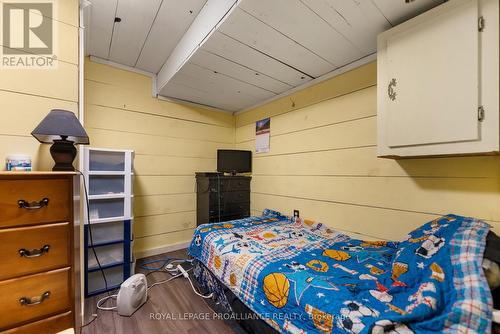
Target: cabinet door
[(434, 64)]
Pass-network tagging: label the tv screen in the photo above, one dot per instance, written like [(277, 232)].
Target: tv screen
[(234, 161)]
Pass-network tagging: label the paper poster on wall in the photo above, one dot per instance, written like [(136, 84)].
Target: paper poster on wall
[(262, 135)]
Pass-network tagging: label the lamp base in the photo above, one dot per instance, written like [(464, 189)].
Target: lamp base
[(63, 152)]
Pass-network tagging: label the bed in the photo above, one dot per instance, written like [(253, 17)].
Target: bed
[(299, 276)]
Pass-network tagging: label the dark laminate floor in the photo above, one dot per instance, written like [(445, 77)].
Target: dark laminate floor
[(174, 297)]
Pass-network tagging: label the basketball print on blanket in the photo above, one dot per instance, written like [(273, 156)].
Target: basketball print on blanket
[(276, 287)]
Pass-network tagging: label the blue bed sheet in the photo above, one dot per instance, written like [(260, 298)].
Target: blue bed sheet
[(303, 277)]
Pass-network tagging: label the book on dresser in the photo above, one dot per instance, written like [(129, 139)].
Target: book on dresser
[(40, 247), (221, 198)]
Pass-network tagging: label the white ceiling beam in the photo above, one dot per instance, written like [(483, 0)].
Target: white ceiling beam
[(207, 21)]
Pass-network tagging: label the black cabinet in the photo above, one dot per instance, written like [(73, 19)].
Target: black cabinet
[(221, 198)]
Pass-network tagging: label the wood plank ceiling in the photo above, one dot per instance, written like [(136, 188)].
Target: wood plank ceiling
[(257, 50)]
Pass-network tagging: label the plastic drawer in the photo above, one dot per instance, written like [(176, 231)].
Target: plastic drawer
[(107, 208), (106, 185), (114, 277), (106, 232), (108, 255), (106, 161)]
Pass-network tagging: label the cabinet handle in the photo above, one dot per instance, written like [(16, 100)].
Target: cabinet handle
[(33, 205), (27, 301), (390, 89), (34, 252)]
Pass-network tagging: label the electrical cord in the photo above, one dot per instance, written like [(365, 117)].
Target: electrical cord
[(87, 202), (199, 294), (190, 282), (103, 300), (165, 262), (164, 281), (94, 316)]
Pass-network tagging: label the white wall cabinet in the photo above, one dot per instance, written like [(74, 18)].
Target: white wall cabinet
[(438, 82)]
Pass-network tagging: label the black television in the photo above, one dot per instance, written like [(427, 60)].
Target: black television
[(234, 161)]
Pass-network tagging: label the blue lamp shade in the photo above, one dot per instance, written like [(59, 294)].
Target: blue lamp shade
[(62, 129), (60, 124)]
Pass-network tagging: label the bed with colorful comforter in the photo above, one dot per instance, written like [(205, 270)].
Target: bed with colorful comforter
[(303, 277)]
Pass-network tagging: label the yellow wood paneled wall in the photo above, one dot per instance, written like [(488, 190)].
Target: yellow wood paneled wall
[(27, 95), (323, 162), (171, 142)]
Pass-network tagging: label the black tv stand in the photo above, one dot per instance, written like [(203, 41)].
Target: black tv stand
[(221, 197)]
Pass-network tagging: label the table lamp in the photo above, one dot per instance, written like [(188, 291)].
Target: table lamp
[(62, 129)]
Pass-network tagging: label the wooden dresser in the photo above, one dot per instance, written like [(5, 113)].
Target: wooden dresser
[(39, 252)]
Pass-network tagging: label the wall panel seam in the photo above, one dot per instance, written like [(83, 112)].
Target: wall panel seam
[(364, 205), (161, 136), (159, 115), (163, 233), (381, 176), (304, 106), (164, 214), (38, 95)]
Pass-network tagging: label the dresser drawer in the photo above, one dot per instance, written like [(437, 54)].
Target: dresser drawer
[(234, 183), (18, 293), (230, 197), (230, 183), (45, 200), (27, 250), (52, 325), (231, 209)]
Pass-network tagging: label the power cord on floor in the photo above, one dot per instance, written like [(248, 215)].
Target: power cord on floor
[(94, 316), (103, 300), (164, 281), (199, 294), (164, 262)]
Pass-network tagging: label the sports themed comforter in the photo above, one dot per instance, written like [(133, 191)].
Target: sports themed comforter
[(302, 277)]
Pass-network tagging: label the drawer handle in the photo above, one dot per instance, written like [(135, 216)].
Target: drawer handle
[(33, 205), (34, 252), (390, 89), (27, 301)]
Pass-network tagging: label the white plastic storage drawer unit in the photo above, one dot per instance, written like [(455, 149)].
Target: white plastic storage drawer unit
[(108, 255), (106, 233), (106, 185), (114, 277), (108, 175)]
